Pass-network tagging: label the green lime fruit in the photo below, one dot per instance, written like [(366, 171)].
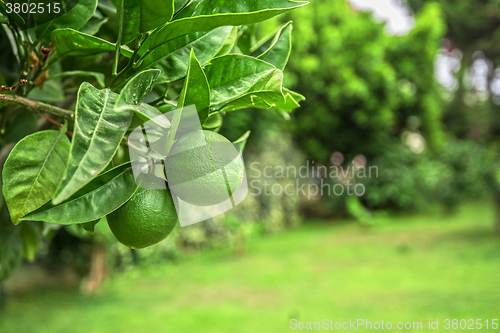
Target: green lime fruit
[(146, 219), (204, 168)]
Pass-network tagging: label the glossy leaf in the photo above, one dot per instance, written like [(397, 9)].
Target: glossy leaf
[(93, 25), (137, 88), (280, 47), (128, 12), (196, 89), (155, 13), (98, 76), (289, 105), (233, 77), (99, 129), (90, 226), (102, 196), (33, 170), (179, 4), (230, 42), (242, 141), (172, 58), (214, 122), (295, 95), (69, 42), (260, 102), (135, 91), (75, 18), (205, 15)]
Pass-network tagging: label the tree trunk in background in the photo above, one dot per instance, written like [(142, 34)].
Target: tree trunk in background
[(92, 282)]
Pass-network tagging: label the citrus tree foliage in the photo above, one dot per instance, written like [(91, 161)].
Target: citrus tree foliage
[(99, 71)]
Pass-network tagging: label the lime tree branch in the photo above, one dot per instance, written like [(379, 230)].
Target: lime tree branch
[(37, 107)]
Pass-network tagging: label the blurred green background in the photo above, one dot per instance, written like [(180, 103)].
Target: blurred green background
[(411, 87)]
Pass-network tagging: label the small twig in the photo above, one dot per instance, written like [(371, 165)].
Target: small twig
[(37, 107), (22, 82), (50, 120)]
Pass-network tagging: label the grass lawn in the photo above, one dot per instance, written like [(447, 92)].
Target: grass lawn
[(408, 269)]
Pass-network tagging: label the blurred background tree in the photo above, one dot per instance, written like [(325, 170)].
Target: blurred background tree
[(374, 94), (471, 47)]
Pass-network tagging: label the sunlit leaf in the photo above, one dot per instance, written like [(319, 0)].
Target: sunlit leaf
[(98, 76), (75, 18), (135, 91), (69, 42), (279, 47), (205, 15), (242, 141), (128, 12), (33, 171), (100, 197), (235, 77), (172, 58), (98, 132), (196, 89), (155, 13)]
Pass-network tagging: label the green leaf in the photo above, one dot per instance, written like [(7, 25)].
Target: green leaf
[(205, 15), (98, 132), (289, 105), (155, 13), (172, 58), (23, 123), (234, 77), (33, 170), (3, 18), (90, 226), (52, 92), (214, 122), (93, 25), (98, 76), (11, 250), (196, 89), (138, 88), (179, 4), (75, 18), (259, 102), (242, 141), (295, 95), (129, 13), (69, 42), (100, 197), (30, 239), (230, 42), (280, 47), (16, 17), (169, 142), (135, 91)]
